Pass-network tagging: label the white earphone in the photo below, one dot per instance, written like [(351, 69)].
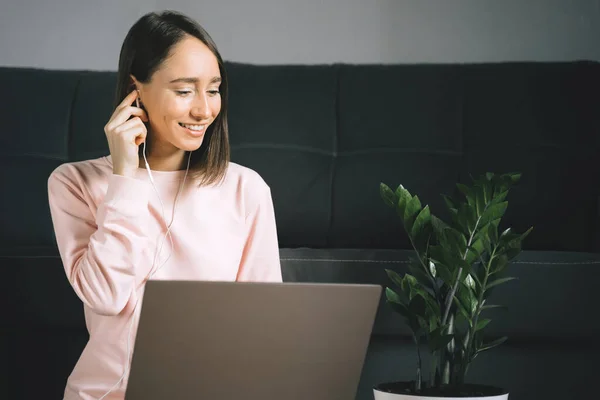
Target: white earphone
[(157, 252)]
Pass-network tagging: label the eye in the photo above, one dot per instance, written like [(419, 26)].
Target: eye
[(213, 92), (182, 92)]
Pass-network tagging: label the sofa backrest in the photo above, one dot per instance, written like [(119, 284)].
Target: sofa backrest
[(324, 137)]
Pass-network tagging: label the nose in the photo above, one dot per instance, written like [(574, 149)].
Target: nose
[(201, 108)]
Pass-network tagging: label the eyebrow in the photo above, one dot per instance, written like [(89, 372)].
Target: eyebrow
[(216, 79)]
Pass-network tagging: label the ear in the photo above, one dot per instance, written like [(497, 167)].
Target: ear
[(136, 85)]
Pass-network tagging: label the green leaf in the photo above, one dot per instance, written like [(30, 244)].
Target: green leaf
[(468, 297), (506, 232), (438, 225), (389, 197), (394, 277), (417, 306), (482, 324), (512, 252), (444, 273), (437, 254), (418, 290), (514, 177), (454, 242), (480, 199), (466, 267), (452, 206), (411, 280), (464, 298), (410, 212), (492, 344), (475, 278), (498, 282), (499, 263), (423, 323), (394, 297), (403, 198), (401, 309), (513, 243), (466, 191), (466, 217), (493, 212), (417, 270), (475, 251), (488, 192), (423, 219), (438, 340), (492, 231), (526, 233), (433, 306), (433, 322), (462, 310), (481, 273), (487, 245), (498, 198), (407, 285)]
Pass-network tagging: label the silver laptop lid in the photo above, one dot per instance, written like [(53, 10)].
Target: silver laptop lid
[(251, 341)]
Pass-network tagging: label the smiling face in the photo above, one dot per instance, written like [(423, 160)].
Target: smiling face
[(182, 98)]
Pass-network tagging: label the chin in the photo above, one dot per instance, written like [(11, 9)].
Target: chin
[(190, 145)]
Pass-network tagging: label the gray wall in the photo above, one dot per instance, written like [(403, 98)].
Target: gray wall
[(87, 34)]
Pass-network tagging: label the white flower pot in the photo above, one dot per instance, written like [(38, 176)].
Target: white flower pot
[(381, 392)]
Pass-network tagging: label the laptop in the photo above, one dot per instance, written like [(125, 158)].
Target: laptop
[(251, 341)]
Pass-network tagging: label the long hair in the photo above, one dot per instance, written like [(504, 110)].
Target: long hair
[(144, 49)]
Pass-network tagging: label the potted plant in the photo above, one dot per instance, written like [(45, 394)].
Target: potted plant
[(444, 297)]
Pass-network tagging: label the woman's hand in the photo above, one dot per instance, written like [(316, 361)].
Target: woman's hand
[(124, 136)]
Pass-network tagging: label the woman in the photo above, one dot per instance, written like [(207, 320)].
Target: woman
[(190, 215)]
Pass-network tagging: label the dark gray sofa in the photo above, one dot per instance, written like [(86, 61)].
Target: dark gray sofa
[(323, 137)]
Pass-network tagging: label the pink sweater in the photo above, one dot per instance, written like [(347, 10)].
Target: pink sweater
[(108, 228)]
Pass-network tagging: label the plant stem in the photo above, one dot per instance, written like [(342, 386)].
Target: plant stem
[(427, 271), (448, 354), (419, 378), (487, 267), (455, 287)]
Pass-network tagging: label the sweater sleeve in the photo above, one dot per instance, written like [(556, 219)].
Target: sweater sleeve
[(260, 259), (100, 254)]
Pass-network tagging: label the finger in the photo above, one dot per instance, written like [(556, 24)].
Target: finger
[(135, 134), (124, 114), (127, 125), (139, 139), (140, 112), (129, 99)]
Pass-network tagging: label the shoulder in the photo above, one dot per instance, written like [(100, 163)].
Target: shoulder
[(247, 177), (249, 185), (80, 174)]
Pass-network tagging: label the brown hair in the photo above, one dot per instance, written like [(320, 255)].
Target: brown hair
[(144, 49)]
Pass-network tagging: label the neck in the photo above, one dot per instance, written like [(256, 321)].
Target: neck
[(163, 159)]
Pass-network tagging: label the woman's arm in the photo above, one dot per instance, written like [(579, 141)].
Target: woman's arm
[(100, 255), (260, 258)]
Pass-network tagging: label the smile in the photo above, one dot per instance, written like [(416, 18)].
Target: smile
[(195, 128)]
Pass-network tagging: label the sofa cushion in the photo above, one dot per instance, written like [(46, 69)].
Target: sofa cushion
[(35, 112), (550, 300), (92, 109), (541, 120), (397, 125), (282, 124)]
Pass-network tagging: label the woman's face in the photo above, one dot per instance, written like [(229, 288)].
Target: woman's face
[(182, 98)]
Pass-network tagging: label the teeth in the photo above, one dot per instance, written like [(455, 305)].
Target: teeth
[(193, 127)]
